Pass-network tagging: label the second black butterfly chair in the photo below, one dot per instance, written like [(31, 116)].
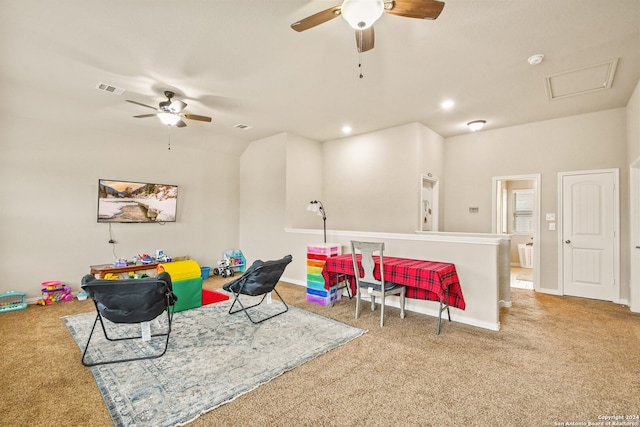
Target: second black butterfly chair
[(130, 301), (259, 279)]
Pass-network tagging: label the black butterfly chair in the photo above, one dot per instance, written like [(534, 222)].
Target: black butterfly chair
[(259, 279), (130, 301)]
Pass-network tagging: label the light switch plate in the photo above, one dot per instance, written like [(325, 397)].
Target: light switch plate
[(552, 226), (550, 217)]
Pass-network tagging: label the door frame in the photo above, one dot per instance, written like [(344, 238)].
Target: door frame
[(435, 201), (616, 227), (634, 247), (536, 216)]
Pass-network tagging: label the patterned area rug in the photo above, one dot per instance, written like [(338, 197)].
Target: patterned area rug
[(213, 357)]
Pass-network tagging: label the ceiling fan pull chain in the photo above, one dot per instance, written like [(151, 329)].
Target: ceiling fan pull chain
[(169, 144), (360, 53)]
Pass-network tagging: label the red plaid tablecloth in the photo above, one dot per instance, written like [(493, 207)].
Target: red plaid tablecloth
[(427, 280)]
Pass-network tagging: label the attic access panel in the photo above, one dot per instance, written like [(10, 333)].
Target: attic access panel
[(581, 81)]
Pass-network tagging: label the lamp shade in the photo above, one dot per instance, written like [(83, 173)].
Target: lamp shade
[(361, 14), (169, 119)]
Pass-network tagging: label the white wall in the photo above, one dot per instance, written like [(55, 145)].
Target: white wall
[(303, 181), (263, 198), (372, 181), (49, 171), (583, 142)]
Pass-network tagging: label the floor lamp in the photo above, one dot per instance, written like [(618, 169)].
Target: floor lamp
[(316, 206)]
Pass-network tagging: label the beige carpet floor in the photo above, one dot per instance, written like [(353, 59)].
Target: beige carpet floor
[(556, 360)]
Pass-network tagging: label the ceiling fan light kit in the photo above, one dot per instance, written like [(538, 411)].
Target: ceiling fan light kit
[(361, 14), (169, 119)]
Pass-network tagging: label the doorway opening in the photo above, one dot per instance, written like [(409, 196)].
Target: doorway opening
[(429, 197), (516, 212)]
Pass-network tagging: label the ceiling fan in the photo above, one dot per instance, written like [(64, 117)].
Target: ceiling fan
[(361, 15), (170, 111)]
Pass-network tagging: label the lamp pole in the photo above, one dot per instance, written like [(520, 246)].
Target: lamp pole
[(324, 222), (316, 206)]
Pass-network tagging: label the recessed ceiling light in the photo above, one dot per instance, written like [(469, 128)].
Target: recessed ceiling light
[(346, 129), (476, 125), (447, 104)]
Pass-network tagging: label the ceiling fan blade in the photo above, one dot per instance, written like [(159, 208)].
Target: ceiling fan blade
[(143, 105), (421, 9), (180, 124), (316, 19), (197, 117), (142, 116), (364, 39)]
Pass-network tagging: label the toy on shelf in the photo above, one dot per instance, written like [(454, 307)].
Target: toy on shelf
[(54, 291), (145, 259), (12, 301)]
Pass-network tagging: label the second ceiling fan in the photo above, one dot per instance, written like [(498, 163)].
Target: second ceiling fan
[(170, 111), (361, 15)]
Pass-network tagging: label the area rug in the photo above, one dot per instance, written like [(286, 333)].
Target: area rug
[(213, 358)]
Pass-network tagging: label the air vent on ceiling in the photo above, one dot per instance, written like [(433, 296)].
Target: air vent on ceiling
[(580, 81), (242, 127), (108, 88)]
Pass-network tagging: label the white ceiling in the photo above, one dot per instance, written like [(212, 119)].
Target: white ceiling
[(240, 62)]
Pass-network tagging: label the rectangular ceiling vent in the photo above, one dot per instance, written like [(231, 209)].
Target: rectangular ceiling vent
[(242, 127), (580, 81), (108, 88)]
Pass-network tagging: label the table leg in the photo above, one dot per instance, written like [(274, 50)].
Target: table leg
[(441, 309)]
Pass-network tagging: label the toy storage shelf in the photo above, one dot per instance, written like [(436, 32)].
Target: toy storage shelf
[(236, 259), (12, 301)]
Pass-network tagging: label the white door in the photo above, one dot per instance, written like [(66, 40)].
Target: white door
[(589, 209)]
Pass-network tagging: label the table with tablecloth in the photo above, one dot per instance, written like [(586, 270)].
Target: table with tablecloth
[(426, 280)]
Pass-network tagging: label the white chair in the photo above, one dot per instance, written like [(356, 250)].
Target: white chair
[(368, 283)]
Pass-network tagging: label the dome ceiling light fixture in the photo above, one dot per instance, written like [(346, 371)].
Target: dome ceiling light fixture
[(476, 125)]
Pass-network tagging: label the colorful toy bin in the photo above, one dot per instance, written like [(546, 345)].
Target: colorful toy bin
[(187, 283)]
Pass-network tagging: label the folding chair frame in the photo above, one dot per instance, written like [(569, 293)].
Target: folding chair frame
[(153, 356), (246, 308)]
